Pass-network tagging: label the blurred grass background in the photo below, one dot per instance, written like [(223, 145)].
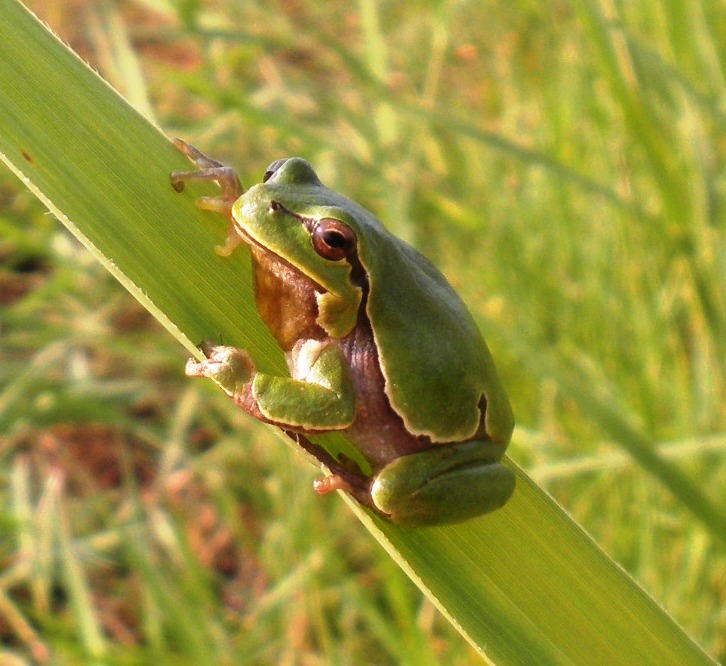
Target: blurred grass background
[(563, 164)]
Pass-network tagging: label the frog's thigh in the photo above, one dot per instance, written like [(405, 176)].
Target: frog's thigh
[(444, 484)]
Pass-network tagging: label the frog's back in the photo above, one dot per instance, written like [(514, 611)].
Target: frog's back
[(435, 361)]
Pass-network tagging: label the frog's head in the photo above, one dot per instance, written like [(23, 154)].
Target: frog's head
[(316, 231)]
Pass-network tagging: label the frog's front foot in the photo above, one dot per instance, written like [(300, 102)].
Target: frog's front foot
[(208, 170), (228, 367)]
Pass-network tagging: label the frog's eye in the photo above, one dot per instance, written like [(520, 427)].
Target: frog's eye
[(291, 171), (332, 239), (273, 169)]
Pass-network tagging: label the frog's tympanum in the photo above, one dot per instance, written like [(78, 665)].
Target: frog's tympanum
[(379, 345)]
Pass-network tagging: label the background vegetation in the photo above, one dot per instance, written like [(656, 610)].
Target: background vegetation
[(563, 165)]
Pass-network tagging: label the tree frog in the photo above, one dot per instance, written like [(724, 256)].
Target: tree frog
[(379, 347)]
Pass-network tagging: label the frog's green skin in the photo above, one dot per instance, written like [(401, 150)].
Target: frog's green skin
[(379, 347)]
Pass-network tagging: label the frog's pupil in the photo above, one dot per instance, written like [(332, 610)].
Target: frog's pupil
[(334, 239)]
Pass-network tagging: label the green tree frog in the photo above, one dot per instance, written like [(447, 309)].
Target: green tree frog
[(379, 346)]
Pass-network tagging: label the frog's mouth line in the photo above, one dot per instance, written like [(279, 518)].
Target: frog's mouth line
[(254, 244)]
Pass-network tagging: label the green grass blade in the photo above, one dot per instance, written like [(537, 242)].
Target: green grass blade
[(524, 585), (688, 492), (79, 591)]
